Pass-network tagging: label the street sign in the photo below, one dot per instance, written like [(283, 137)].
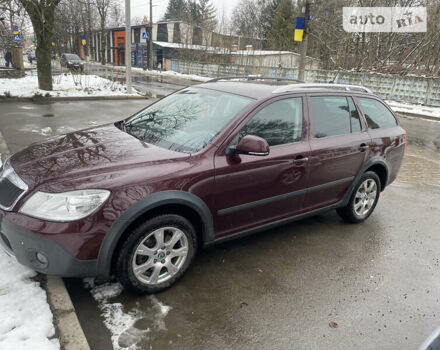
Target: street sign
[(16, 38), (146, 35), (145, 21), (15, 30)]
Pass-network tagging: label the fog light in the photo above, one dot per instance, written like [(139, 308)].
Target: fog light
[(38, 259), (42, 259)]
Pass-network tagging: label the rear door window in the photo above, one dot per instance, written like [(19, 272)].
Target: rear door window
[(331, 116), (376, 114)]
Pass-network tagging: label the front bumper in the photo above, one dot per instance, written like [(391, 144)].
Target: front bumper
[(42, 254)]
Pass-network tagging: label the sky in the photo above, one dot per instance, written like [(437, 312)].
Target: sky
[(140, 8)]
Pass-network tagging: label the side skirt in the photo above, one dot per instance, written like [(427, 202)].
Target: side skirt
[(274, 224)]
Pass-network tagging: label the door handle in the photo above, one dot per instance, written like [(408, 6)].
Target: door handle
[(300, 160), (363, 147)]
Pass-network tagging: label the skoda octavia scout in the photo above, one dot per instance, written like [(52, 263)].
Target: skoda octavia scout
[(136, 199)]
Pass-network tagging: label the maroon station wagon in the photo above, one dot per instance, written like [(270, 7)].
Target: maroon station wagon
[(137, 198)]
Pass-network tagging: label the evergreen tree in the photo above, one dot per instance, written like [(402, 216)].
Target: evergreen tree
[(282, 31), (267, 14), (207, 13), (201, 13), (176, 10)]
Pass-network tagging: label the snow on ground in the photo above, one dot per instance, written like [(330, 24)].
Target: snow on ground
[(25, 316), (121, 324), (168, 73), (64, 85), (433, 112)]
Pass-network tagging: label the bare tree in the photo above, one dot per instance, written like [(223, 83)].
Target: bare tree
[(103, 7), (42, 14)]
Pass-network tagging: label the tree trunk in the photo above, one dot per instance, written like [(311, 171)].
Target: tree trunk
[(44, 66), (103, 46), (42, 18)]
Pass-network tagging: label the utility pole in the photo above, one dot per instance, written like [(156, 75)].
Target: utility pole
[(128, 46), (303, 52), (150, 41)]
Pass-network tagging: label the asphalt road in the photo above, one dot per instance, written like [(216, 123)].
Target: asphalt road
[(317, 283)]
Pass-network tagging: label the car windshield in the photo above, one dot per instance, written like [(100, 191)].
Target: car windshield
[(186, 121), (73, 57)]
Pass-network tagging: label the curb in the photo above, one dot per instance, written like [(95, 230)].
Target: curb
[(66, 321), (42, 99)]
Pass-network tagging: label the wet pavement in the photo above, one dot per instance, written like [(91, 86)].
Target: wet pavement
[(317, 283)]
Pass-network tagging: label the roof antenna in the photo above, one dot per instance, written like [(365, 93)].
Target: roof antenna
[(334, 78)]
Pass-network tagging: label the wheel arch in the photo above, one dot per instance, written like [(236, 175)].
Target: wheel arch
[(380, 167), (171, 202)]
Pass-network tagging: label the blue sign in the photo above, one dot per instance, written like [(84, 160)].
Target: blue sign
[(300, 23), (16, 38), (146, 35)]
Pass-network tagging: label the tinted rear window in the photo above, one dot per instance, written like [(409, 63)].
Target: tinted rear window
[(376, 114), (331, 115)]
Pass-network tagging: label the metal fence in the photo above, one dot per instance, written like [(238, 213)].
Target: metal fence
[(409, 89), (2, 59)]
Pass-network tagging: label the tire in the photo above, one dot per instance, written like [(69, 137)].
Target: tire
[(145, 265), (363, 199)]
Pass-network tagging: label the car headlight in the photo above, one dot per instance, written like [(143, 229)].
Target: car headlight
[(69, 62), (66, 206)]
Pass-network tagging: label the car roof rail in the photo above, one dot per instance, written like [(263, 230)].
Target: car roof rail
[(345, 87), (253, 77)]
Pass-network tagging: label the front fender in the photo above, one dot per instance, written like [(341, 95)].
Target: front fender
[(146, 204)]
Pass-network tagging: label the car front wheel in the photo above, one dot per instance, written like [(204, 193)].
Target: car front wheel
[(363, 199), (156, 254)]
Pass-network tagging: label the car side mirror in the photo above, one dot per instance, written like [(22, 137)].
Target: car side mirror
[(251, 145)]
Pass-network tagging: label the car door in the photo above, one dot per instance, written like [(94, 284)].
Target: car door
[(253, 190), (339, 144), (387, 137)]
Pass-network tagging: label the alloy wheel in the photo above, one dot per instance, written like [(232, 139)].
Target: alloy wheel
[(365, 197), (160, 255)]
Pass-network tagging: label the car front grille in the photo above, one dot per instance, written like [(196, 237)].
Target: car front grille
[(9, 193)]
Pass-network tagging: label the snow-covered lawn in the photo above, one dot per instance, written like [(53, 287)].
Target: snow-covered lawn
[(64, 85), (25, 316), (433, 112)]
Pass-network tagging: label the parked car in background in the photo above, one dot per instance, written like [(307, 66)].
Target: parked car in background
[(72, 61), (136, 199)]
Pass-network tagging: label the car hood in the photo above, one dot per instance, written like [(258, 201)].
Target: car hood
[(86, 153)]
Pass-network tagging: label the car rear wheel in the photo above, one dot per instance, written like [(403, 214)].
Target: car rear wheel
[(363, 199), (156, 254)]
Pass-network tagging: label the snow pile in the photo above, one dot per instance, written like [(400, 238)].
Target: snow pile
[(25, 316), (64, 85), (168, 73), (120, 323), (433, 112)]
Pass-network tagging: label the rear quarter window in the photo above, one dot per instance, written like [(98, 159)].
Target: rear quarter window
[(376, 114)]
